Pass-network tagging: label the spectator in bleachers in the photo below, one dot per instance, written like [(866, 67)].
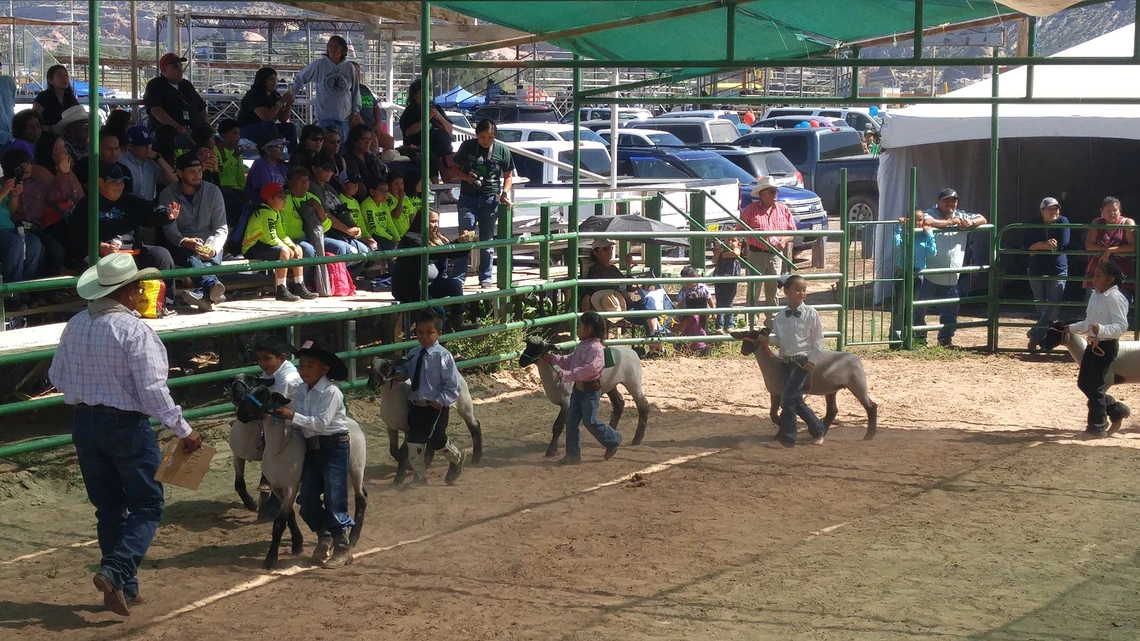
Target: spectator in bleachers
[(406, 271), (373, 116), (359, 158), (312, 141), (270, 168), (148, 169), (308, 207), (265, 240), (121, 218), (377, 212), (57, 97), (400, 208), (75, 131), (109, 152), (344, 227), (27, 126), (231, 169), (350, 189), (205, 155), (264, 113), (21, 253), (174, 106), (119, 121), (198, 236), (332, 147), (336, 102), (49, 197), (439, 127)]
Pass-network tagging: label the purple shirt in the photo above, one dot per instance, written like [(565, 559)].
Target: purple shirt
[(585, 364), (261, 174)]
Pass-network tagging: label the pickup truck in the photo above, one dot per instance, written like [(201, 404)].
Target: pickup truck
[(673, 163), (819, 153)]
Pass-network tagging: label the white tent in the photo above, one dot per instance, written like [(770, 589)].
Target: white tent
[(1075, 152)]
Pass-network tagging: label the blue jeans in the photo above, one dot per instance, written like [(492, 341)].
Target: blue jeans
[(332, 122), (480, 212), (189, 258), (258, 132), (1050, 292), (21, 256), (445, 287), (725, 294), (897, 312), (340, 247), (584, 409), (118, 456), (792, 404), (326, 472), (947, 314)]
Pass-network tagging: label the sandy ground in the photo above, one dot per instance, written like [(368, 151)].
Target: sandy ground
[(952, 524)]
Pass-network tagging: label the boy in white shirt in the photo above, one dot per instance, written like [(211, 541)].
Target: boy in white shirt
[(1105, 321), (798, 333), (317, 409), (280, 375)]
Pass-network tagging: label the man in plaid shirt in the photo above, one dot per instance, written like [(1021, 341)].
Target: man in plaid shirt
[(112, 368)]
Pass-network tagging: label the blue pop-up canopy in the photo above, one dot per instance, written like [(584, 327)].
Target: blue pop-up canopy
[(82, 88)]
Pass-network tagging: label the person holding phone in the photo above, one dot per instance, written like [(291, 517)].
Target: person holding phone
[(198, 235)]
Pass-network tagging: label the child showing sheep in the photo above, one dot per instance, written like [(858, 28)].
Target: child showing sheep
[(318, 410), (584, 368), (434, 389), (1105, 321), (799, 336)]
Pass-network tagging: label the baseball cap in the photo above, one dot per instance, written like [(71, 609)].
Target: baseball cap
[(354, 178), (270, 190), (1049, 202), (947, 193), (139, 135), (272, 142), (188, 160), (112, 171), (169, 59)]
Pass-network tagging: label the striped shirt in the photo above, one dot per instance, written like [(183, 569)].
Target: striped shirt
[(115, 359)]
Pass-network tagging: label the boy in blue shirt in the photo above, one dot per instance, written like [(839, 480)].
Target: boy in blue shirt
[(925, 248), (435, 388)]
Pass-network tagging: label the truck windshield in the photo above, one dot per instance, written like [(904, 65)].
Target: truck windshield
[(713, 166), (838, 144), (587, 134), (595, 160)]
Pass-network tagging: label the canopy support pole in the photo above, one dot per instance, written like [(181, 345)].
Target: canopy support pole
[(390, 81), (993, 309), (93, 115), (1031, 49), (919, 8), (425, 125), (614, 123), (134, 58), (575, 199)]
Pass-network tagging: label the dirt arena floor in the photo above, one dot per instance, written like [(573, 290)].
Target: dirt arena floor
[(976, 514)]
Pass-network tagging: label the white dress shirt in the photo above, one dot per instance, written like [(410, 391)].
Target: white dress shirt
[(286, 380), (115, 359), (798, 335), (1109, 311), (319, 410)]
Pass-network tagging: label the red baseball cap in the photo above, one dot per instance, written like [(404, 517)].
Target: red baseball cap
[(270, 190), (169, 59)]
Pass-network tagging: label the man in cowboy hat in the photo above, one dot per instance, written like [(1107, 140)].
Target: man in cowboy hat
[(112, 368), (766, 213), (73, 127), (317, 409)]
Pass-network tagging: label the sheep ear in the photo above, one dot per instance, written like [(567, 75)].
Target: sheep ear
[(280, 399)]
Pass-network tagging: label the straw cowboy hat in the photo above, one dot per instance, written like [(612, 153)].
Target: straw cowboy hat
[(608, 300), (70, 115), (765, 183), (601, 243), (110, 273)]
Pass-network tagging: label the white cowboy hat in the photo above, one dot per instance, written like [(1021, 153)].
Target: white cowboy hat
[(607, 300), (391, 155), (70, 115), (765, 183), (110, 273)]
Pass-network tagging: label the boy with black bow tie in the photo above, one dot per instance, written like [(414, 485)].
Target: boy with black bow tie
[(799, 336)]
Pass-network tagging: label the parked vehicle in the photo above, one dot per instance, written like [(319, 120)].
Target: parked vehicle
[(642, 138), (731, 116), (458, 119), (761, 162), (543, 132), (693, 131), (678, 164), (819, 154), (594, 155), (857, 117), (603, 113), (790, 122), (503, 113)]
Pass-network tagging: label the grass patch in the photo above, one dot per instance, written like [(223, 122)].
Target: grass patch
[(503, 342)]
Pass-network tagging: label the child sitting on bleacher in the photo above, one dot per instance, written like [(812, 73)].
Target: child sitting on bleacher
[(377, 212), (400, 208), (264, 240), (351, 187)]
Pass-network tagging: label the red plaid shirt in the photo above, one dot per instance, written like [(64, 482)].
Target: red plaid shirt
[(779, 218)]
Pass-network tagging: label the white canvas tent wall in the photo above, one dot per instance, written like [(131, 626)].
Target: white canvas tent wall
[(1055, 144)]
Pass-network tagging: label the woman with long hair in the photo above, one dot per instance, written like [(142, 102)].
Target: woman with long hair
[(312, 141), (57, 97), (359, 158), (264, 112), (49, 196)]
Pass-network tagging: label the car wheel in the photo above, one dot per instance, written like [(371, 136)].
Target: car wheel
[(862, 208)]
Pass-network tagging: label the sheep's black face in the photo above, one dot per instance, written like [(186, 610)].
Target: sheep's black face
[(535, 348), (257, 401), (747, 341), (1054, 337), (382, 370), (240, 386)]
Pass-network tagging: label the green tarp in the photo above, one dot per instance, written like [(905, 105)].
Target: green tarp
[(765, 29)]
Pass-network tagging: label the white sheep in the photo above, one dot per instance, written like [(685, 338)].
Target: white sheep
[(394, 414), (245, 442), (834, 371), (626, 371), (1125, 368), (283, 460)]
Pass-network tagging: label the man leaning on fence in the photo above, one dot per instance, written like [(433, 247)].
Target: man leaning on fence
[(951, 242), (112, 369), (766, 213)]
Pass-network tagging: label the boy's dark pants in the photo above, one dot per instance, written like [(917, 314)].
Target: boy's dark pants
[(792, 404), (1090, 381), (427, 425), (326, 472)]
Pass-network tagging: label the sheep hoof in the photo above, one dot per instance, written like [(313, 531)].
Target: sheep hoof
[(552, 451), (270, 562), (249, 503)]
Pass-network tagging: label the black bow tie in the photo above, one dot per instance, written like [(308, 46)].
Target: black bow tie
[(267, 382), (792, 312)]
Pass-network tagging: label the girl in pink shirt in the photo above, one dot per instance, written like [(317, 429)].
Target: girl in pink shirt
[(584, 368)]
